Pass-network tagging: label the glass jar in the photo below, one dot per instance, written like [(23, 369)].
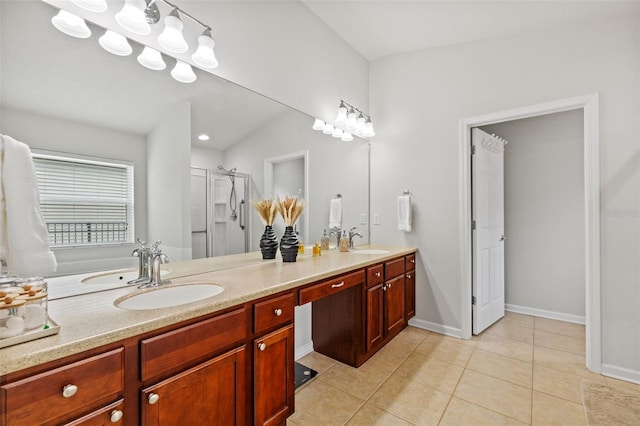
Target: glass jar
[(11, 316), (34, 294)]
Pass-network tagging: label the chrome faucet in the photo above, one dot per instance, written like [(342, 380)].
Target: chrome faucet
[(338, 233), (143, 253), (351, 235), (157, 259)]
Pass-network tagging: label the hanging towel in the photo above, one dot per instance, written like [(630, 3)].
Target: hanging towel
[(335, 213), (404, 213), (24, 241)]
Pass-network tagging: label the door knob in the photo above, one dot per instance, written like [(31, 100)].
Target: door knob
[(503, 238)]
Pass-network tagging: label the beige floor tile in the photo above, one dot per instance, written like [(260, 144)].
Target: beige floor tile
[(550, 411), (560, 327), (385, 360), (565, 362), (430, 371), (503, 330), (559, 342), (460, 412), (411, 401), (497, 395), (317, 361), (520, 320), (501, 367), (356, 381), (370, 415), (322, 404), (510, 348), (437, 337), (621, 384), (406, 342), (445, 350), (558, 384), (290, 423)]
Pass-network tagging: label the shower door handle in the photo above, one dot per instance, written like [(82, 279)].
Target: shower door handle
[(242, 214)]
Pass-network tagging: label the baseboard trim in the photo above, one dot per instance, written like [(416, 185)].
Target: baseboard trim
[(620, 373), (545, 314), (438, 328), (303, 350)]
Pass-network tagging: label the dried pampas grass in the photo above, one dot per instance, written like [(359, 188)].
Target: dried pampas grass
[(290, 209), (266, 208)]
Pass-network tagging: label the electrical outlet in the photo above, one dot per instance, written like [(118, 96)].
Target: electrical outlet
[(363, 219), (376, 218)]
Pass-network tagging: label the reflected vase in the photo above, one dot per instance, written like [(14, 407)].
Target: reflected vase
[(289, 245), (268, 243)]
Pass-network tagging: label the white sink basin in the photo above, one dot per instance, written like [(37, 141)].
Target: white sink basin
[(122, 276), (370, 251), (166, 297)]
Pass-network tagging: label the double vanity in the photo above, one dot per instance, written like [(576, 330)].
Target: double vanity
[(222, 359)]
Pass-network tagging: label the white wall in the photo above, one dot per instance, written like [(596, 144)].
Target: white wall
[(204, 158), (418, 99), (544, 213), (169, 182), (288, 180), (51, 134)]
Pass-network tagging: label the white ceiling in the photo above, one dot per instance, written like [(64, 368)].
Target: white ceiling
[(380, 28)]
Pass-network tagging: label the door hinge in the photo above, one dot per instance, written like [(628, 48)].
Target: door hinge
[(473, 300), (473, 225), (473, 149)]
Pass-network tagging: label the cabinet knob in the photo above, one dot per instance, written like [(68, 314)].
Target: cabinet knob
[(384, 288), (377, 274), (153, 398), (389, 285), (69, 390), (262, 346), (408, 275), (412, 261), (278, 312), (116, 415)]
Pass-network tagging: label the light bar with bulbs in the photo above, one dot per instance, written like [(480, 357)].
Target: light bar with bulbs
[(349, 120)]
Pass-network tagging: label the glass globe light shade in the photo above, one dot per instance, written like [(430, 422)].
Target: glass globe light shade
[(171, 37), (96, 6), (183, 72), (347, 137), (115, 43), (318, 124), (132, 18), (71, 24), (204, 55), (328, 129), (152, 59)]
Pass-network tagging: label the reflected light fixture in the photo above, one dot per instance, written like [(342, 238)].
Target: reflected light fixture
[(360, 125), (132, 17), (368, 129), (97, 6), (337, 133), (204, 55), (183, 72), (152, 59), (347, 137), (318, 124), (171, 37), (203, 137), (71, 24), (328, 129), (115, 43), (351, 120), (347, 123), (341, 118)]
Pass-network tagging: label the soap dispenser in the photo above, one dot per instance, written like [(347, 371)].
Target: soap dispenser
[(324, 241), (344, 242)]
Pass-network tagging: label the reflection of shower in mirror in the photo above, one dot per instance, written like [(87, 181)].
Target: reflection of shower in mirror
[(233, 198)]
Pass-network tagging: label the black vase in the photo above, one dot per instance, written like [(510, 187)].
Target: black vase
[(289, 245), (268, 243)]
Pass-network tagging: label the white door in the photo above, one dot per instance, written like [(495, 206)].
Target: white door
[(487, 186)]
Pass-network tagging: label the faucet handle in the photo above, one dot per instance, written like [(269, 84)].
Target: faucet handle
[(353, 229)]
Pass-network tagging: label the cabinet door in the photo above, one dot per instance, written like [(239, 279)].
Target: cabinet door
[(212, 393), (410, 294), (273, 371), (112, 414), (394, 305), (375, 315)]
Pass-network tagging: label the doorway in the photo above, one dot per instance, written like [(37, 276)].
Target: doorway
[(589, 105)]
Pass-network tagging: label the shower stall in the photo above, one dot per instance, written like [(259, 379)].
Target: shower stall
[(219, 212)]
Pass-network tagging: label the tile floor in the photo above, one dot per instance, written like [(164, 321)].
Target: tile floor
[(522, 370)]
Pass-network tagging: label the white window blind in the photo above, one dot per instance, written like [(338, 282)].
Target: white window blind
[(85, 202)]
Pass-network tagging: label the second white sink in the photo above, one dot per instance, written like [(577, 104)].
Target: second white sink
[(167, 297)]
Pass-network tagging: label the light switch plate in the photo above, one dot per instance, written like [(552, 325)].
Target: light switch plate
[(363, 219), (376, 218)]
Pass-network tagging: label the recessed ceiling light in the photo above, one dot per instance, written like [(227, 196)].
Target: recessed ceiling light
[(203, 137)]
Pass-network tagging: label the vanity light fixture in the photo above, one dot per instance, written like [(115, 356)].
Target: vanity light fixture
[(132, 17), (346, 137), (71, 24), (328, 129), (152, 59), (115, 43), (349, 120), (337, 133), (341, 118), (204, 55), (360, 125), (97, 6), (368, 129), (171, 37), (318, 124), (183, 72)]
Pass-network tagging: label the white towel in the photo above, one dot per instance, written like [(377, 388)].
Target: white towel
[(335, 213), (404, 213), (24, 241)]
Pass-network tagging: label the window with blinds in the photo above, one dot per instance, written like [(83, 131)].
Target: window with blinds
[(85, 202)]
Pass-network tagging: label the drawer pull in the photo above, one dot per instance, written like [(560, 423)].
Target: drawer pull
[(340, 284), (116, 415), (412, 261), (409, 276), (278, 312), (153, 398), (69, 390), (262, 346), (384, 288), (377, 274), (389, 285)]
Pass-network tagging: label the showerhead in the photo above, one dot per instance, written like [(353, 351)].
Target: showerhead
[(225, 170)]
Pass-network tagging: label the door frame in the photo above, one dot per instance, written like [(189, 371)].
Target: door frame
[(590, 106)]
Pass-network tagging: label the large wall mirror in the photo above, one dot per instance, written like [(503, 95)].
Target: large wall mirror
[(67, 95)]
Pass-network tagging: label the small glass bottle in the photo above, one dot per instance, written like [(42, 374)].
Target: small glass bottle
[(344, 242), (324, 241), (301, 248), (316, 249)]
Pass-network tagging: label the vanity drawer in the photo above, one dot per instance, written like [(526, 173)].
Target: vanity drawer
[(375, 275), (40, 399), (410, 262), (172, 351), (331, 286), (273, 312), (393, 268)]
